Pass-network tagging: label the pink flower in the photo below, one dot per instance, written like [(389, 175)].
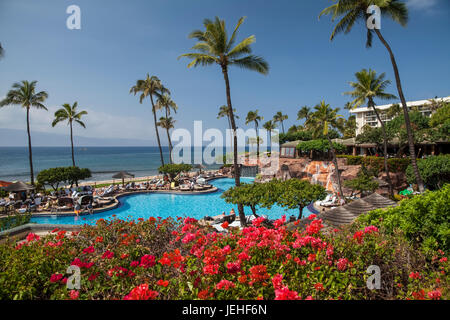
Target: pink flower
[(148, 261), (141, 292), (188, 237), (225, 285), (211, 269), (277, 281), (74, 294), (342, 264), (370, 229), (89, 249), (56, 277), (435, 294), (108, 255), (414, 275), (286, 294), (32, 237), (233, 267)]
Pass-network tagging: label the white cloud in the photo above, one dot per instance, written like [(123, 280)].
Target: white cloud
[(98, 124), (421, 4)]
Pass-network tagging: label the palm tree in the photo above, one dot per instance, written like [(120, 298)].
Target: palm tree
[(368, 87), (253, 116), (303, 113), (24, 94), (214, 47), (167, 123), (2, 51), (150, 87), (223, 112), (165, 102), (269, 126), (280, 117), (321, 121), (353, 11), (69, 113)]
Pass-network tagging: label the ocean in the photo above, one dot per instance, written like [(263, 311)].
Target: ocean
[(102, 161)]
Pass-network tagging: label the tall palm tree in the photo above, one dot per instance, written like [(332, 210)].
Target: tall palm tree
[(24, 94), (150, 87), (167, 123), (165, 102), (322, 120), (69, 113), (304, 113), (253, 116), (223, 112), (353, 11), (269, 126), (368, 87), (214, 47), (280, 117)]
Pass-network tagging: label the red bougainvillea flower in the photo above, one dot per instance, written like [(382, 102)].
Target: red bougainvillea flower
[(99, 239), (311, 257), (342, 264), (314, 227), (141, 292), (358, 236), (414, 275), (211, 269), (435, 294), (277, 281), (89, 249), (56, 277), (278, 223), (257, 222), (312, 216), (225, 285), (419, 295), (74, 294), (147, 261), (259, 273), (124, 256), (162, 283), (233, 267), (225, 225), (188, 237), (286, 294), (108, 255), (32, 237), (442, 260), (318, 286), (204, 294)]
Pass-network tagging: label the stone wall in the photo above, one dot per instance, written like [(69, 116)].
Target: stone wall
[(323, 172)]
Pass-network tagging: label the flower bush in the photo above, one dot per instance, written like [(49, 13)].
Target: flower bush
[(180, 259)]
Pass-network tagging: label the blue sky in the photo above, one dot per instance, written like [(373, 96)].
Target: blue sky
[(120, 42)]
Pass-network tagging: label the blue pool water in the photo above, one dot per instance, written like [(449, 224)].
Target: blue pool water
[(172, 205)]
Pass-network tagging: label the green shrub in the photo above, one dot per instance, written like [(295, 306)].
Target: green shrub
[(435, 171), (14, 220), (395, 164), (424, 219), (319, 145)]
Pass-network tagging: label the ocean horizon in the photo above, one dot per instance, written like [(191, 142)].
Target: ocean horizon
[(102, 161)]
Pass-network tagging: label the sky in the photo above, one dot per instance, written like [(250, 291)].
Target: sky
[(120, 42)]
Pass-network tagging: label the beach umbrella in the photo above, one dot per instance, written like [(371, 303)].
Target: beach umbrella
[(4, 184), (122, 175), (200, 167), (18, 186)]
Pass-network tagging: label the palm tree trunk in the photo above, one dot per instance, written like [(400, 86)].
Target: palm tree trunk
[(156, 129), (237, 174), (282, 125), (71, 143), (257, 140), (338, 175), (412, 152), (30, 154), (168, 139), (385, 141)]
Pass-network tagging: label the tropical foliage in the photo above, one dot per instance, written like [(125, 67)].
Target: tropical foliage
[(174, 169), (68, 175), (435, 171)]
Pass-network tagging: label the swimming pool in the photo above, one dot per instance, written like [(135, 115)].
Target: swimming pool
[(171, 205)]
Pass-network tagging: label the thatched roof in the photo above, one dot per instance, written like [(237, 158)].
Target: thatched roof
[(349, 212), (122, 175), (18, 187)]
